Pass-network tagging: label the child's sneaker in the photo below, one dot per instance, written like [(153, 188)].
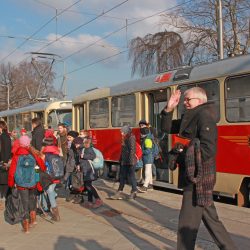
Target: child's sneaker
[(117, 196), (98, 203)]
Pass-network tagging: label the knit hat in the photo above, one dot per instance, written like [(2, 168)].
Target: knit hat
[(78, 140), (73, 133), (143, 122), (23, 130), (49, 133), (126, 129), (24, 141)]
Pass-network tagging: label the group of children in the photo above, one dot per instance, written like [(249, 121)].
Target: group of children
[(32, 189)]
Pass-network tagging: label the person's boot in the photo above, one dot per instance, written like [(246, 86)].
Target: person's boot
[(55, 214), (25, 224), (33, 221)]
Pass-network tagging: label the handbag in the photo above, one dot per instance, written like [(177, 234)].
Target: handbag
[(14, 211), (45, 180), (76, 181)]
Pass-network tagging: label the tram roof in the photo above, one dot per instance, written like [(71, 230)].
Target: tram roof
[(91, 95), (32, 107), (221, 68)]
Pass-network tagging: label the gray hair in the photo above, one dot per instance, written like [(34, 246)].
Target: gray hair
[(198, 92)]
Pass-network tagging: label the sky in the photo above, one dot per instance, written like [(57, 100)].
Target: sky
[(88, 37)]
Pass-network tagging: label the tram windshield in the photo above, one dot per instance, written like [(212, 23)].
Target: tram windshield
[(60, 116)]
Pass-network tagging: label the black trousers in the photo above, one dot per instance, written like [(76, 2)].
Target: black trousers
[(91, 191), (28, 198), (127, 172), (189, 221)]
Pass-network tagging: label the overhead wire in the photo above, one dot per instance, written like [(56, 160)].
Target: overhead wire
[(38, 30), (108, 35)]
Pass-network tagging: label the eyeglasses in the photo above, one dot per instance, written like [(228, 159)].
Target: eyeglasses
[(189, 99)]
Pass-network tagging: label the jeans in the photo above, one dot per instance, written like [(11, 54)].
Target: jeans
[(28, 198), (127, 171), (51, 195)]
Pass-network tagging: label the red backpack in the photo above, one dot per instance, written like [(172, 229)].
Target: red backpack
[(138, 151)]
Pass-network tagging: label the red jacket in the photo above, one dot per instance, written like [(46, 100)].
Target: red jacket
[(12, 170)]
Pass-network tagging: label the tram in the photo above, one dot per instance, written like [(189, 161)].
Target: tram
[(51, 113), (227, 83)]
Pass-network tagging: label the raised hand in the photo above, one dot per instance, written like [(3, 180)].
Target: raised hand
[(173, 100)]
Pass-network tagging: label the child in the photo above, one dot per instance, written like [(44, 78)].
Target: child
[(87, 156), (51, 149), (27, 190)]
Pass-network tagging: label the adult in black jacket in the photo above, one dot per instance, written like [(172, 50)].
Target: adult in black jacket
[(197, 122), (5, 155), (37, 133)]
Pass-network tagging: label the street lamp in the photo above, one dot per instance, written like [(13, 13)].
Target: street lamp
[(8, 94)]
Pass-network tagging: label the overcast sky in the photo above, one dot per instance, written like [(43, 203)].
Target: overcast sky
[(77, 36)]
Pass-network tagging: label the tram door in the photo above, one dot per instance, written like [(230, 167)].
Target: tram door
[(156, 103)]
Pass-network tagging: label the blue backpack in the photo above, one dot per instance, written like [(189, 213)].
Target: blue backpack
[(25, 175), (55, 166)]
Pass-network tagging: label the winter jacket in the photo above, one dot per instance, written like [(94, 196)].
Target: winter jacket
[(86, 166), (5, 155), (72, 159), (147, 149), (37, 137), (52, 149), (198, 122), (128, 151), (23, 151)]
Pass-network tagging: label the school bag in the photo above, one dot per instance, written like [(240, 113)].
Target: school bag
[(155, 150), (138, 151), (98, 162), (138, 155), (25, 175), (55, 166)]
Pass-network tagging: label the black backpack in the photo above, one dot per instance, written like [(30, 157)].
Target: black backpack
[(55, 166)]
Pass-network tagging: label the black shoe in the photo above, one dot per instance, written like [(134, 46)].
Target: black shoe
[(150, 187), (142, 189), (132, 196)]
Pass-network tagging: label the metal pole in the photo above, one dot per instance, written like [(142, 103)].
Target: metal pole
[(8, 96), (220, 29)]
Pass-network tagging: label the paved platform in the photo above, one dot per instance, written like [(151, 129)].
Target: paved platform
[(149, 222)]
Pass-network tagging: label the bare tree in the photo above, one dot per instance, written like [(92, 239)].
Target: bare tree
[(156, 53), (19, 79), (197, 21)]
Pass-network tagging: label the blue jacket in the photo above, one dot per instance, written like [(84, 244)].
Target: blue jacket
[(147, 149)]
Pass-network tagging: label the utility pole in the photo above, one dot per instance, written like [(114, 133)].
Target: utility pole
[(220, 30)]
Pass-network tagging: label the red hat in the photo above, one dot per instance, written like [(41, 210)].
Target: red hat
[(23, 130)]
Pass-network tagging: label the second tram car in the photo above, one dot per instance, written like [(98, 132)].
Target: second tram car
[(51, 113), (227, 83)]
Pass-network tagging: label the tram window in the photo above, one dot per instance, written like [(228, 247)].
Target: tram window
[(27, 121), (11, 123), (52, 120), (64, 116), (99, 113), (237, 98), (19, 122), (213, 95), (123, 111)]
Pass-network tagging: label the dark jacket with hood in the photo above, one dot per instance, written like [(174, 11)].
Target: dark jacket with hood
[(5, 155), (37, 137), (85, 163), (198, 122)]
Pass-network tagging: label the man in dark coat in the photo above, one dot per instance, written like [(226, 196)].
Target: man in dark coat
[(37, 133), (198, 122), (5, 155)]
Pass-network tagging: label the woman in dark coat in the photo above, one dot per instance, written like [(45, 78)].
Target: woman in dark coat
[(5, 155)]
